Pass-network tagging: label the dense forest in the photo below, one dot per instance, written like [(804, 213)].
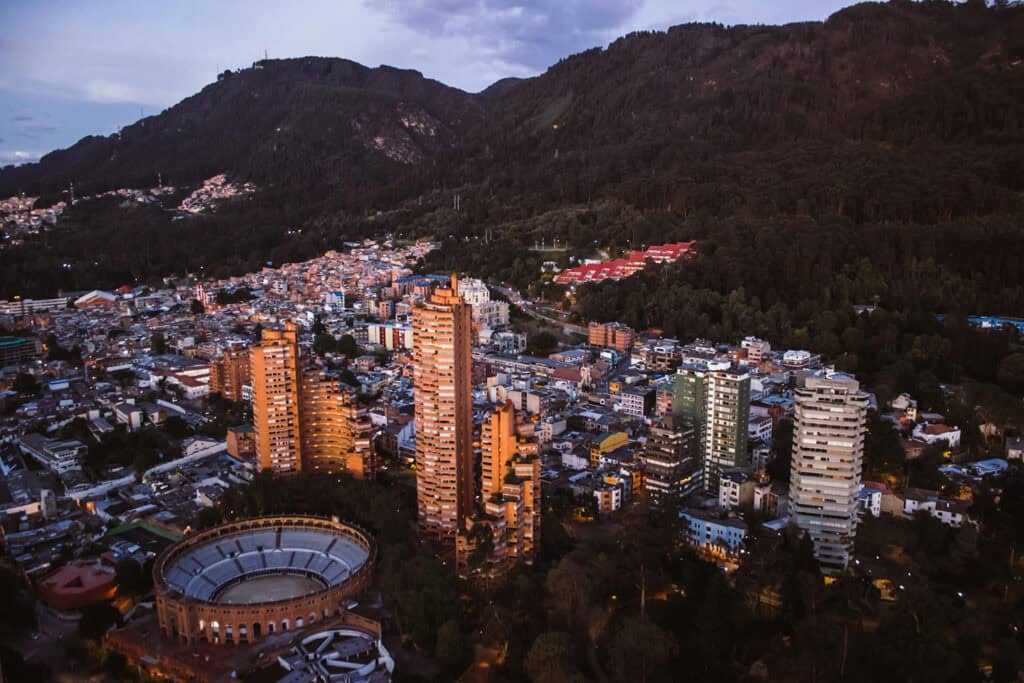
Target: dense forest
[(877, 157)]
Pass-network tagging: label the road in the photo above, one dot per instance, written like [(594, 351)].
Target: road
[(527, 307)]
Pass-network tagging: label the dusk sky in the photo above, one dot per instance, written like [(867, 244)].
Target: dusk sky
[(74, 68)]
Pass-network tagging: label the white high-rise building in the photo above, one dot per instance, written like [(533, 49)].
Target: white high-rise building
[(828, 458), (728, 415)]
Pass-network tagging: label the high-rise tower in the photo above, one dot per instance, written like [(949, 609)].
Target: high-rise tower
[(274, 363), (715, 398), (828, 458), (442, 357), (304, 419)]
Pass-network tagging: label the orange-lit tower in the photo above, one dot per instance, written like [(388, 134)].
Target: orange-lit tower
[(229, 373), (442, 357), (510, 491), (336, 432), (274, 365)]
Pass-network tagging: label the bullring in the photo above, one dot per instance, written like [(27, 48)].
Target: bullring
[(243, 581)]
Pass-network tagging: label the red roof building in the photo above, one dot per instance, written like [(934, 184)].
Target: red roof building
[(77, 585), (617, 269)]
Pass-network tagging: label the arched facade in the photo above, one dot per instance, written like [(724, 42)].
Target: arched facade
[(187, 588)]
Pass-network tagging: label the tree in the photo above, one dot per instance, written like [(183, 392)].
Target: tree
[(197, 307), (1010, 374), (348, 346), (131, 579), (543, 343), (550, 659), (883, 449), (176, 426), (26, 384), (641, 651), (451, 646), (568, 586), (324, 343), (17, 604), (97, 619)]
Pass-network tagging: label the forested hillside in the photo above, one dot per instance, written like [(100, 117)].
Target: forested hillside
[(891, 131)]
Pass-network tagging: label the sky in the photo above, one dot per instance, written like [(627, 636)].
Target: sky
[(71, 68)]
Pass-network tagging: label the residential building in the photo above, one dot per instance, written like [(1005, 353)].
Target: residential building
[(1015, 448), (758, 350), (614, 336), (728, 415), (637, 401), (491, 314), (335, 431), (275, 399), (57, 455), (16, 350), (474, 291), (241, 441), (230, 373), (714, 533), (442, 362), (672, 460), (391, 336), (606, 443), (735, 489), (828, 452), (510, 495), (304, 419), (937, 433)]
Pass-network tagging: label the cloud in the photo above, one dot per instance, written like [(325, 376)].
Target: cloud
[(17, 156), (21, 118), (531, 33)]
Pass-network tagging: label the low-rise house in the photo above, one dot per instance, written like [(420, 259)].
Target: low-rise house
[(714, 533), (735, 489), (935, 433), (949, 512)]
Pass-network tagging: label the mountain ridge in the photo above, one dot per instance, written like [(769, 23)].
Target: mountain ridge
[(894, 113)]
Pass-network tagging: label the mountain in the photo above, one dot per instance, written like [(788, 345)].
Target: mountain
[(290, 121), (887, 114)]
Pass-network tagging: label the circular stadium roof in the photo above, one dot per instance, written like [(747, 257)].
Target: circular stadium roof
[(263, 564)]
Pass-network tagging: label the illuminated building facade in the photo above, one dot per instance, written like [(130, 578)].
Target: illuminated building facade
[(442, 359)]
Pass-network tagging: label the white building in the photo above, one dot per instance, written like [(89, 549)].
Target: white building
[(828, 459), (869, 502), (474, 292), (58, 455), (735, 488), (491, 314), (714, 534), (757, 349), (759, 428), (391, 336), (935, 433)]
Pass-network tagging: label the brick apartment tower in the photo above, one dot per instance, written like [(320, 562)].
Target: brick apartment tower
[(303, 419), (510, 493), (510, 487), (275, 399), (229, 373), (335, 431), (442, 357)]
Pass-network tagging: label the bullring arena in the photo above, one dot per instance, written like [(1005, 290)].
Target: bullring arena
[(243, 581)]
